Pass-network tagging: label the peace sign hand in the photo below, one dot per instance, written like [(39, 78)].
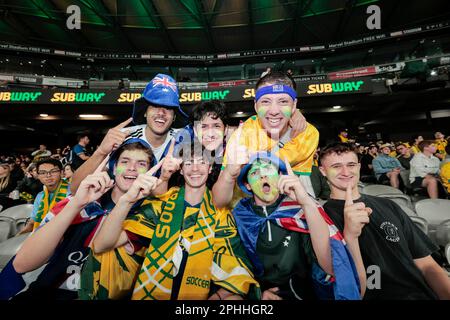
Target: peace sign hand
[(94, 185), (143, 185)]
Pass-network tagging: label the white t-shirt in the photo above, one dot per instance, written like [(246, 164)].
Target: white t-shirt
[(139, 132), (421, 165)]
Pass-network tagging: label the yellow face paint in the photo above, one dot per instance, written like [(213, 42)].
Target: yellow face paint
[(262, 111), (142, 170), (286, 111), (120, 169), (262, 174)]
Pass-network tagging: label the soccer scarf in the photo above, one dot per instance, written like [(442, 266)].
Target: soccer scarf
[(46, 205), (289, 215), (209, 237)]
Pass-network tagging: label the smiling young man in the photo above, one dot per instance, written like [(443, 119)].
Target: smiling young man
[(66, 232), (153, 115), (194, 251), (272, 129), (49, 172), (381, 237)]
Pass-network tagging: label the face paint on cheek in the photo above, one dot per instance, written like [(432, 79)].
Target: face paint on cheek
[(286, 111), (262, 111), (142, 170), (120, 169)]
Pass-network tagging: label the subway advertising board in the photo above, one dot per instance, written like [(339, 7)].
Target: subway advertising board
[(126, 97)]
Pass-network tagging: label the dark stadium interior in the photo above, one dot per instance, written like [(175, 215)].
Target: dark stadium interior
[(419, 99)]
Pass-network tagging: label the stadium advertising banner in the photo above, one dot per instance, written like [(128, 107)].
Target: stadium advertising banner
[(118, 97)]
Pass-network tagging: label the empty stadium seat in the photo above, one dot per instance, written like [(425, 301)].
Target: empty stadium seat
[(377, 189), (443, 233), (421, 223), (9, 248), (447, 252), (435, 211), (407, 210), (6, 228), (400, 199), (21, 211)]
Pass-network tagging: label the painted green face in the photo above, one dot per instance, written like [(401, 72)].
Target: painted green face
[(286, 111), (263, 178)]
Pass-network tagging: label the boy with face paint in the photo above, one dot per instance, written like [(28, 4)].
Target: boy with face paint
[(278, 127), (65, 234), (207, 126), (288, 237), (194, 251)]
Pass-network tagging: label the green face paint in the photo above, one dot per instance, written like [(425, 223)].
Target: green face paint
[(120, 169), (142, 170), (286, 111), (262, 173), (262, 111)]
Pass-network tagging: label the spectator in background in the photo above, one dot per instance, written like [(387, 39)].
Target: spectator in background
[(387, 168), (57, 155), (289, 72), (16, 172), (367, 174), (7, 185), (68, 172), (55, 189), (415, 147), (40, 153), (424, 169), (79, 152), (30, 184), (343, 135), (268, 70), (441, 143), (405, 155), (445, 171)]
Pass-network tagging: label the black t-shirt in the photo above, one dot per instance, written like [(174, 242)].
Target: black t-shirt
[(365, 161), (405, 162), (391, 241)]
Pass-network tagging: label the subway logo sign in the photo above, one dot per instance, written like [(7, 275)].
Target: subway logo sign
[(331, 88)]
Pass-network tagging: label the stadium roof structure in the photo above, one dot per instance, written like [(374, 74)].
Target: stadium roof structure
[(203, 26)]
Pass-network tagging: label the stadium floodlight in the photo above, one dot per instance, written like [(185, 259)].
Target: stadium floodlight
[(43, 115), (91, 116), (240, 112), (337, 107)]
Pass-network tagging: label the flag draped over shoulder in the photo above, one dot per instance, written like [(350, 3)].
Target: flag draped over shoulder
[(206, 234), (46, 205), (289, 215)]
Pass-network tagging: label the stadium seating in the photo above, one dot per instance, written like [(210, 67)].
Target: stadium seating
[(13, 219), (9, 248), (421, 223), (379, 189), (435, 211)]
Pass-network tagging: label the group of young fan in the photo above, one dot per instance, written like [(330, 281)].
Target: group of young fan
[(160, 213)]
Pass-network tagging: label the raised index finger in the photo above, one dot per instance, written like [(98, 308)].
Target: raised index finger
[(348, 195), (124, 124), (171, 148), (102, 165), (288, 167), (154, 169)]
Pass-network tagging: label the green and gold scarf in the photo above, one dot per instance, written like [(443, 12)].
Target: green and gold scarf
[(46, 205), (208, 235)]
